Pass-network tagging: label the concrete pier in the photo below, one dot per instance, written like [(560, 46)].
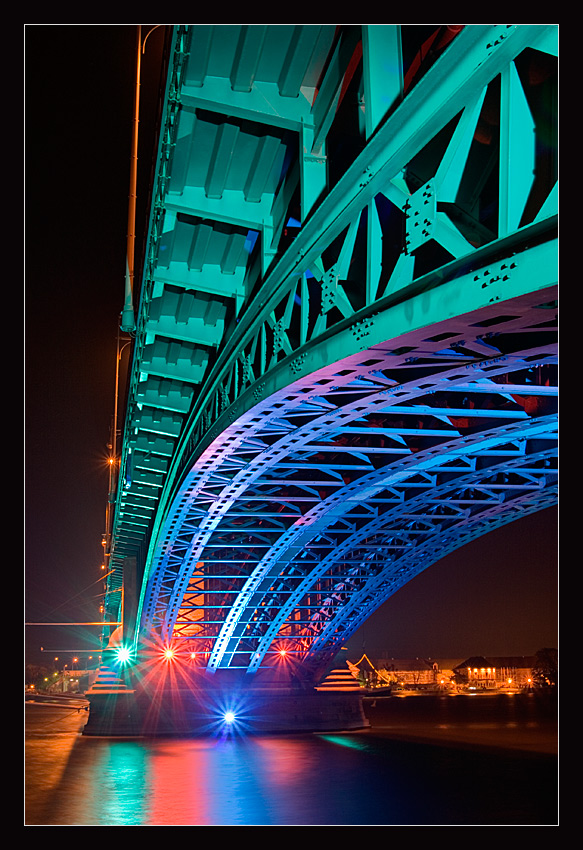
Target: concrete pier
[(210, 711)]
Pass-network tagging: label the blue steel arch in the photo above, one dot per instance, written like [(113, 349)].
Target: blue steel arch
[(345, 354), (487, 447)]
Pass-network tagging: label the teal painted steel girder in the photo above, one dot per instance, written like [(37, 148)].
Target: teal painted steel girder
[(391, 240), (384, 157)]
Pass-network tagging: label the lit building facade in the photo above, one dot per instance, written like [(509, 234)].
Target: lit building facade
[(496, 672)]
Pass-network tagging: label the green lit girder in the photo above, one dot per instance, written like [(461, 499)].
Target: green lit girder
[(376, 201)]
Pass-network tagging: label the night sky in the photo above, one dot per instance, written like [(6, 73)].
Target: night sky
[(496, 596)]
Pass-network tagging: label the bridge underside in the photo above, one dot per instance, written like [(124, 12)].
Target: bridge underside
[(345, 359), (318, 504)]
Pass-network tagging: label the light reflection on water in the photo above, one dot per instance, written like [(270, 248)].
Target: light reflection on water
[(210, 781), (353, 778), (233, 781), (230, 781)]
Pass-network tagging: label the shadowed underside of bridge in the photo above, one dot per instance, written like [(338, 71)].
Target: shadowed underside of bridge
[(345, 350)]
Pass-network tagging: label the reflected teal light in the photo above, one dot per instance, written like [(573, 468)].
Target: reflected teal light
[(344, 742), (121, 797)]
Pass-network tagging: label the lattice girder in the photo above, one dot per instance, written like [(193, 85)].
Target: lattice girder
[(491, 421)]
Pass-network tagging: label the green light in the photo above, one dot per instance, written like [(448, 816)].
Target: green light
[(123, 655)]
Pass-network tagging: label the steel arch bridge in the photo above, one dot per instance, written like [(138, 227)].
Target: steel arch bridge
[(345, 353)]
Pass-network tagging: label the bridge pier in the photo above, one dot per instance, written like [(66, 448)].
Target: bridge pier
[(207, 710)]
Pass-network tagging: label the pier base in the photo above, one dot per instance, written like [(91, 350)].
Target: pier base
[(211, 711)]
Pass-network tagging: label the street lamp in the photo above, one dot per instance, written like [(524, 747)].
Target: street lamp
[(128, 323), (113, 458)]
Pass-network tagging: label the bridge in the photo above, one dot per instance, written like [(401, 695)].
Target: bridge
[(344, 337)]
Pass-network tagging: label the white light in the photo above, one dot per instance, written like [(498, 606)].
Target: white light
[(229, 717)]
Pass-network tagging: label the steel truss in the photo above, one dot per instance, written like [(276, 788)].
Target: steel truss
[(345, 360), (311, 510)]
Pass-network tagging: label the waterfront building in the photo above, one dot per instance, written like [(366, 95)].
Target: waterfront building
[(496, 672)]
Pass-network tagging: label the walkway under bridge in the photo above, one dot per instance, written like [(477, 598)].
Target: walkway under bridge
[(345, 334)]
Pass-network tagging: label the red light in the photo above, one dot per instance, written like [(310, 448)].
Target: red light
[(168, 654)]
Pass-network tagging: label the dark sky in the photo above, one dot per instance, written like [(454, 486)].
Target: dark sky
[(79, 93), (496, 596)]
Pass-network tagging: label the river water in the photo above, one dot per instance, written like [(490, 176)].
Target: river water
[(486, 760)]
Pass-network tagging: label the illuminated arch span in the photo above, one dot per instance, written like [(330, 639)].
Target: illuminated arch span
[(345, 348), (291, 535)]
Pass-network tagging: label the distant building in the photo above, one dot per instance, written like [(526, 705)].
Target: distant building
[(446, 676), (496, 672), (416, 672), (431, 674), (409, 671)]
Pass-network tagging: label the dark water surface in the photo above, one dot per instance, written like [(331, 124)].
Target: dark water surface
[(441, 761)]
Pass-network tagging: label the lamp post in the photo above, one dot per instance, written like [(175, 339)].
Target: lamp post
[(113, 457), (127, 320), (113, 461), (127, 316)]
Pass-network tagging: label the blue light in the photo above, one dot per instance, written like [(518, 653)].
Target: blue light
[(229, 717), (251, 240)]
